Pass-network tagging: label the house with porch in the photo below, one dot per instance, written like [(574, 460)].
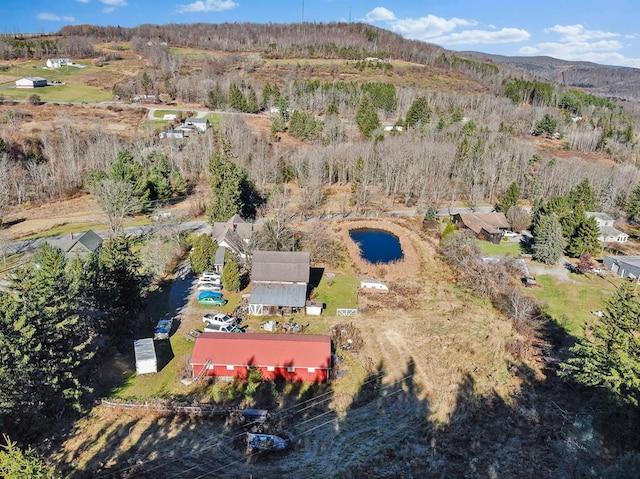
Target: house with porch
[(608, 234), (280, 281), (293, 357)]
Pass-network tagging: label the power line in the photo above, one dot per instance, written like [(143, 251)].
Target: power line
[(290, 411)]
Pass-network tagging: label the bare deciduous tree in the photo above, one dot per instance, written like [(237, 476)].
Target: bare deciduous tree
[(117, 201)]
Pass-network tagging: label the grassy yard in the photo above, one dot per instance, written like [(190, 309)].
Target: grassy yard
[(61, 93), (505, 248), (570, 304), (81, 228), (337, 292)]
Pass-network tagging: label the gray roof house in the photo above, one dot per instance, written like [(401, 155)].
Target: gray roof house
[(608, 234), (200, 124), (235, 234), (279, 282), (623, 266), (80, 245)]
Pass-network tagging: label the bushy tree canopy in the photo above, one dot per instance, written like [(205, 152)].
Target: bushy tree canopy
[(610, 356), (549, 243)]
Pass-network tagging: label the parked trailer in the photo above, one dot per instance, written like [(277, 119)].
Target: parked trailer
[(145, 351)]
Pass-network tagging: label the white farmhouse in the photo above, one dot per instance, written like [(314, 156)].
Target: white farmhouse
[(58, 62), (608, 234)]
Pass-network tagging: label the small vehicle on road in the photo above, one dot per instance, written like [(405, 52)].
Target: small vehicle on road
[(510, 234)]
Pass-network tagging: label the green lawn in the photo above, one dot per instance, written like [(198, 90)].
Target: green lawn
[(337, 292), (82, 227), (505, 248), (570, 304), (61, 93), (161, 113)]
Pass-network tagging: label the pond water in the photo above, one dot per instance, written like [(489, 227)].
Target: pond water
[(377, 246)]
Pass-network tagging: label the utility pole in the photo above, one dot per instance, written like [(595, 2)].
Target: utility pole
[(303, 11)]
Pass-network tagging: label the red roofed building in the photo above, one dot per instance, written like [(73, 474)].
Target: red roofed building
[(292, 357)]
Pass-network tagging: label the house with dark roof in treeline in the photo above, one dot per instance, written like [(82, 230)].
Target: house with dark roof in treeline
[(489, 226), (293, 357), (279, 282), (78, 245)]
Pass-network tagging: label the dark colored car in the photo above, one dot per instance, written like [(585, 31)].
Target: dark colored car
[(163, 329)]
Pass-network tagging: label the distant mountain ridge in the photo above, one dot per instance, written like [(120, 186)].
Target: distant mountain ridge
[(609, 81)]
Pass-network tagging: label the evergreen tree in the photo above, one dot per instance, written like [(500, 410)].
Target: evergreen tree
[(419, 112), (549, 243), (585, 238), (44, 343), (367, 118), (203, 253), (231, 190), (215, 98), (252, 102), (18, 464), (235, 98), (584, 193), (510, 198), (118, 281), (231, 275), (610, 357), (548, 124), (632, 208)]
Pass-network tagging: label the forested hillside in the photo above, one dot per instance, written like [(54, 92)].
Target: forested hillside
[(466, 134)]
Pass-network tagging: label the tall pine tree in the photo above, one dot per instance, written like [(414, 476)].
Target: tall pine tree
[(610, 358), (549, 243), (585, 238)]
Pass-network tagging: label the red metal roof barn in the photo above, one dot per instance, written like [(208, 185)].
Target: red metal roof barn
[(292, 357)]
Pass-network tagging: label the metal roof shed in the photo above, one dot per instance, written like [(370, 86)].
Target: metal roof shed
[(145, 351)]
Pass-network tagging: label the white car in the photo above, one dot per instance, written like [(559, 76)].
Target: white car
[(208, 286), (510, 234), (218, 318)]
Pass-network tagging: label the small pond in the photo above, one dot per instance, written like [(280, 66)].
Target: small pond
[(377, 246)]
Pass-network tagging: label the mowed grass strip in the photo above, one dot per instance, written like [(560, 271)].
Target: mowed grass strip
[(570, 303), (61, 93)]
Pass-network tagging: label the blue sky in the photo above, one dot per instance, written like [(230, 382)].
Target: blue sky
[(598, 31)]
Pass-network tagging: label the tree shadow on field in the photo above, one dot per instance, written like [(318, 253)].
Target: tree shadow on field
[(547, 429)]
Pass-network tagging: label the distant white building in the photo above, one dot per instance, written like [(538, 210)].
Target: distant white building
[(608, 234), (200, 124), (31, 82), (58, 62)]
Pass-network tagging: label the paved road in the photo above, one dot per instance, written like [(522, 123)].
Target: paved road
[(32, 244)]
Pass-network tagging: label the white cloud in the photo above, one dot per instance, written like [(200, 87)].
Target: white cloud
[(475, 37), (207, 6), (578, 33), (115, 3), (108, 9), (576, 43), (428, 27), (55, 18), (379, 13), (82, 1), (445, 31)]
